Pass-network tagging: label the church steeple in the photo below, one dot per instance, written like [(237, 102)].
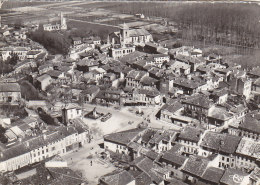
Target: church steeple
[(124, 33)]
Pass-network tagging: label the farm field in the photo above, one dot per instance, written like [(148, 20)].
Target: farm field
[(15, 4), (101, 30)]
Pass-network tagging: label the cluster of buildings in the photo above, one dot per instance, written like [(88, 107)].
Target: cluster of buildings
[(58, 26), (190, 156), (213, 103)]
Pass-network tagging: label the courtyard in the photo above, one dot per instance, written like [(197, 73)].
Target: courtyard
[(87, 160)]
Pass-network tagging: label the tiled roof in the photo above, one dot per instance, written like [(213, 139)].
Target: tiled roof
[(173, 181), (14, 151), (149, 153), (149, 93), (228, 177), (200, 101), (43, 77), (87, 62), (255, 174), (213, 175), (132, 74), (143, 179), (249, 147), (220, 142), (118, 177), (191, 134), (132, 56), (220, 92), (91, 90), (178, 65), (123, 137), (173, 158), (191, 84), (148, 135), (196, 165), (37, 142), (39, 175), (172, 107), (10, 87), (65, 176), (220, 113), (143, 163), (147, 80), (250, 124), (54, 73), (190, 59)]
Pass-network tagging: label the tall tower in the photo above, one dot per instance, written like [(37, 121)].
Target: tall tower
[(124, 32), (108, 40), (63, 23)]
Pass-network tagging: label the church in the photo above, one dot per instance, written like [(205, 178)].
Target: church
[(56, 27), (137, 37), (124, 41)]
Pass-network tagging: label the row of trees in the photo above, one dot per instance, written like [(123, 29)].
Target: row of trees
[(8, 65), (235, 23), (54, 42)]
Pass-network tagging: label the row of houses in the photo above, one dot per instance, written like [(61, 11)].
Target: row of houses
[(192, 156), (35, 149), (21, 52)]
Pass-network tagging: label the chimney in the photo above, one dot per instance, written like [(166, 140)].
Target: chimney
[(1, 154), (44, 136), (27, 144)]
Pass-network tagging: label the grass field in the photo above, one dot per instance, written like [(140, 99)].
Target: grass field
[(100, 30), (15, 4)]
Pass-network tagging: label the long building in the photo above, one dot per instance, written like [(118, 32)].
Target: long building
[(36, 149)]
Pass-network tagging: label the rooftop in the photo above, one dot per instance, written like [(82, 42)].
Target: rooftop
[(191, 84), (213, 175), (249, 147), (172, 108), (251, 124), (123, 137), (200, 101), (230, 173), (196, 165), (172, 157), (10, 87), (43, 77), (220, 142), (118, 177), (220, 113), (54, 73), (191, 134)]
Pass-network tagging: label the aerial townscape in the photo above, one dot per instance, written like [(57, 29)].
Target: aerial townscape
[(129, 93)]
